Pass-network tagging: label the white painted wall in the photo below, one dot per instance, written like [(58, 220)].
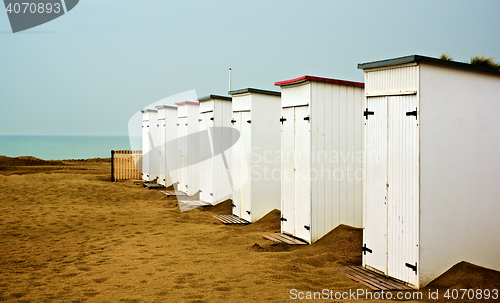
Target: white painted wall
[(161, 149), (150, 145), (215, 182), (167, 118), (145, 146), (256, 190), (188, 147), (332, 194), (265, 170), (460, 169)]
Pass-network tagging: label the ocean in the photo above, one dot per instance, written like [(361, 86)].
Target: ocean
[(65, 147)]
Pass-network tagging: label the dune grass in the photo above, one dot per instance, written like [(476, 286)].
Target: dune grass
[(446, 57), (481, 60)]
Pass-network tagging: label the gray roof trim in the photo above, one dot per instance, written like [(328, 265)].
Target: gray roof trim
[(254, 90), (215, 97), (149, 110), (165, 106), (418, 58)]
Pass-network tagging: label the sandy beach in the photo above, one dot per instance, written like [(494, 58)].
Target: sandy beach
[(68, 234)]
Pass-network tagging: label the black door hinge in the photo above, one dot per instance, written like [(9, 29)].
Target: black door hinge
[(212, 194), (249, 121), (365, 249), (306, 118), (282, 219), (248, 212), (367, 113), (233, 121), (233, 205), (212, 119), (199, 120), (282, 119), (413, 267), (412, 113), (307, 227)]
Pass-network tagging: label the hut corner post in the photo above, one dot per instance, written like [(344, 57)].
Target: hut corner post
[(112, 166)]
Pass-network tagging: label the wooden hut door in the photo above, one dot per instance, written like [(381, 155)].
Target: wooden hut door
[(402, 180), (288, 171), (236, 166), (246, 194), (178, 159), (302, 173), (145, 150), (295, 165), (375, 213), (161, 153), (184, 154), (206, 167)]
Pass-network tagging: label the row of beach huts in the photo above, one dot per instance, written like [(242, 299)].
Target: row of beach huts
[(411, 156)]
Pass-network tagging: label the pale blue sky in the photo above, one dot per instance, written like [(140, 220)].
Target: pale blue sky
[(89, 71)]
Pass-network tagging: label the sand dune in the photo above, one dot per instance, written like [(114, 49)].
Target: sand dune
[(70, 235)]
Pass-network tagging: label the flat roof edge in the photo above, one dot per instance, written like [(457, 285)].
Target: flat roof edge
[(187, 102), (254, 90), (319, 79), (430, 60), (215, 97), (165, 106)]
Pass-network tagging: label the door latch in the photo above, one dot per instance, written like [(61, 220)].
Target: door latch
[(413, 267), (367, 113), (412, 113), (365, 249)]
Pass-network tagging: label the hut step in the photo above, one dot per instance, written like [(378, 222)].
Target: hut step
[(231, 219), (371, 279), (279, 237), (153, 185)]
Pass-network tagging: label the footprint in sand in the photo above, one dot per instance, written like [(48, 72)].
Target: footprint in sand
[(100, 280)]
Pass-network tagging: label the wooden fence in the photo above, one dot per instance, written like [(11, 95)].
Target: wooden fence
[(126, 165)]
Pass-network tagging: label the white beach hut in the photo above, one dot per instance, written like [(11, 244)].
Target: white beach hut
[(322, 155), (432, 167), (188, 113), (215, 182), (167, 153), (255, 168), (149, 144)]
